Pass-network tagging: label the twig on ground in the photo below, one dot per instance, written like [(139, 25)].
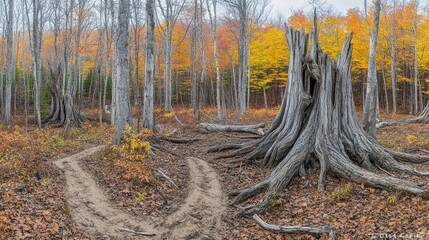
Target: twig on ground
[(167, 178), (135, 232)]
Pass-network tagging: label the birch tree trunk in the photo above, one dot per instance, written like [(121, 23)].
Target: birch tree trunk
[(148, 112), (370, 109), (123, 108)]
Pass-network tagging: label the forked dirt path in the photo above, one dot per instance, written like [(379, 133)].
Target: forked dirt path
[(200, 217)]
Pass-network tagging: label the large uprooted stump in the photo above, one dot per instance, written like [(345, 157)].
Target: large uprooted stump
[(317, 126)]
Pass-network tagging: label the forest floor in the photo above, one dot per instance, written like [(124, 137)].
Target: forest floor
[(96, 198)]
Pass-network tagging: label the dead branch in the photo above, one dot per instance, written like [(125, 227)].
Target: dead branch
[(162, 174)]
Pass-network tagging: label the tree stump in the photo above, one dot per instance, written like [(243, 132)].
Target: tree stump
[(317, 126)]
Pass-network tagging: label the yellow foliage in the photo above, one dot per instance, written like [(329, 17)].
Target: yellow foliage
[(134, 150), (411, 139)]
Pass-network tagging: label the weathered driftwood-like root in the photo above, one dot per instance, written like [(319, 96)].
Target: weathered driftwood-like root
[(63, 112), (224, 148), (293, 229), (328, 131), (179, 140), (422, 118), (257, 129)]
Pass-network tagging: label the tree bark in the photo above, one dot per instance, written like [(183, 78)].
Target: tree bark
[(148, 113), (123, 107), (370, 109), (9, 64), (393, 55), (213, 21)]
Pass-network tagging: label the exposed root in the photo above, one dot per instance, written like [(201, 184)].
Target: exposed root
[(180, 141), (241, 195), (294, 229), (224, 148), (254, 129)]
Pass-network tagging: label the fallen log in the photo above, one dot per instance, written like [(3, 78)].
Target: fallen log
[(209, 127)]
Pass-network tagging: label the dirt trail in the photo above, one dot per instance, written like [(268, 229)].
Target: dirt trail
[(201, 215), (198, 218)]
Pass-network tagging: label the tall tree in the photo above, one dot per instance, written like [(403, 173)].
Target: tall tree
[(170, 11), (148, 115), (136, 85), (371, 99), (36, 33), (63, 109), (416, 63), (213, 22), (123, 107), (393, 56), (194, 87), (249, 14), (9, 63)]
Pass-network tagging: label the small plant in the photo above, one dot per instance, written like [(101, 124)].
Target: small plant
[(392, 199), (277, 199), (134, 150), (58, 142), (411, 139), (45, 182), (341, 194), (140, 197)]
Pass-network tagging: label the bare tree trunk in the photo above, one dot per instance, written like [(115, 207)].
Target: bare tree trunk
[(2, 102), (201, 94), (213, 21), (194, 87), (393, 55), (136, 55), (123, 92), (114, 62), (9, 63), (386, 96), (416, 63), (148, 112), (168, 69), (370, 110), (242, 56), (36, 47)]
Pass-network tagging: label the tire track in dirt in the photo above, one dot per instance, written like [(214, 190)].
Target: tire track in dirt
[(200, 217)]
